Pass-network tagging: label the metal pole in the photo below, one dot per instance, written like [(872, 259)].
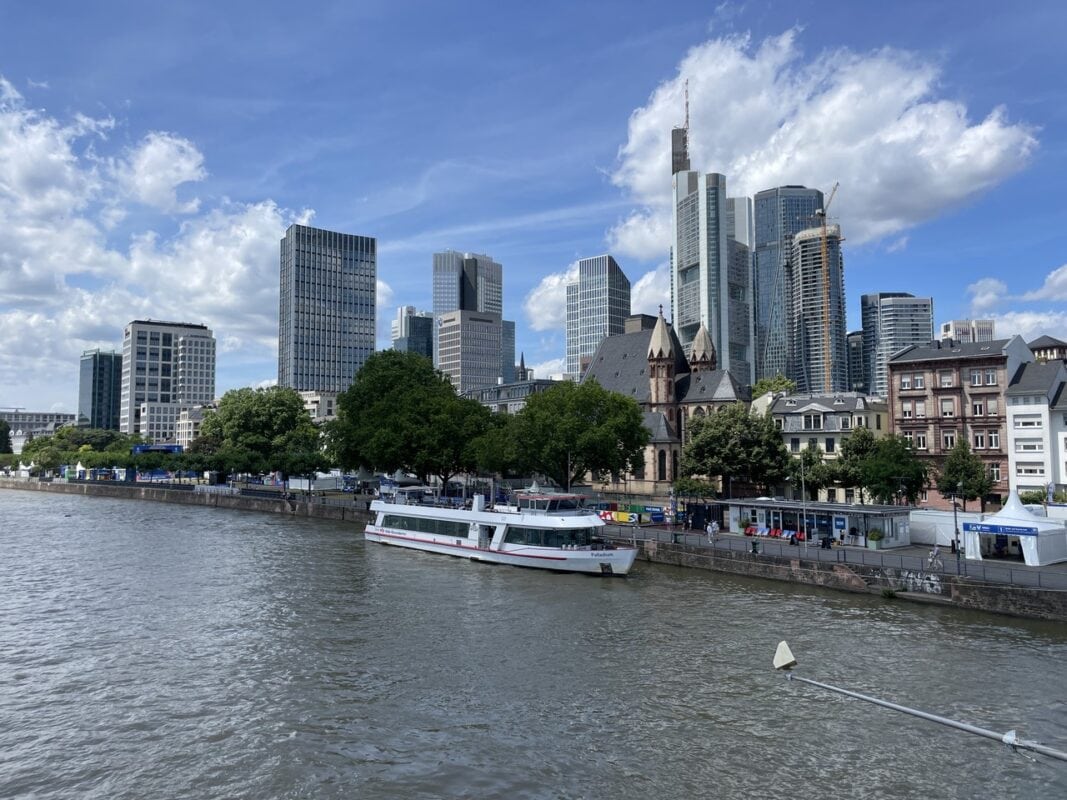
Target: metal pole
[(956, 532), (1008, 738), (804, 505)]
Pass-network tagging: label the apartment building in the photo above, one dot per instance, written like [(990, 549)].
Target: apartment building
[(1037, 427)]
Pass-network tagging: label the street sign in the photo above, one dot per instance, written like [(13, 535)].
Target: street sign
[(1009, 530)]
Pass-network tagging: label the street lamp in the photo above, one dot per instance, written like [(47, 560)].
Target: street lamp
[(804, 504), (955, 524)]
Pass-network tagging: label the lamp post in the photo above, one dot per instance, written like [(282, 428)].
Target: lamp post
[(955, 524), (804, 504)]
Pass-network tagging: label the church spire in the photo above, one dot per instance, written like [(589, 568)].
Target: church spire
[(660, 345), (702, 356)]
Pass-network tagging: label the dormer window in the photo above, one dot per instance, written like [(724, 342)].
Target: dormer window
[(813, 422)]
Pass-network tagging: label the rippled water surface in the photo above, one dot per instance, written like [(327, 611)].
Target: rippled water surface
[(155, 651)]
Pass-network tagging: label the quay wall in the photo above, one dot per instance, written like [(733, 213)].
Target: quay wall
[(953, 590), (127, 491), (913, 585)]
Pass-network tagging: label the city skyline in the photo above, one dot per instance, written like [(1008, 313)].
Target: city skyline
[(162, 190)]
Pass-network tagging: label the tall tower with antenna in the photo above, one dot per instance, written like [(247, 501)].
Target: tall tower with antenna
[(680, 141)]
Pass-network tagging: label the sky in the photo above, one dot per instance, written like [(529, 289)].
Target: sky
[(152, 155)]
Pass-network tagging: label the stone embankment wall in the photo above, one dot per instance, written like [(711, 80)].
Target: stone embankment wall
[(126, 491), (953, 590)]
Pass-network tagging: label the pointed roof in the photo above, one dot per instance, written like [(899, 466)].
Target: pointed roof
[(522, 360), (703, 348), (660, 345)]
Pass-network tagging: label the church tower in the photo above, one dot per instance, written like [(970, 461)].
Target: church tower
[(702, 358), (661, 368)]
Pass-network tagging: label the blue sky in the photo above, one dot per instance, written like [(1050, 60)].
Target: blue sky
[(151, 157)]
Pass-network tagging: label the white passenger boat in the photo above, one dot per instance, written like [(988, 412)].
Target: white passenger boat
[(542, 531)]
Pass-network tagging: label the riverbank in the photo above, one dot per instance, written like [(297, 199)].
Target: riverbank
[(731, 555)]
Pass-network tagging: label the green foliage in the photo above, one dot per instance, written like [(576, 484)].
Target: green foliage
[(810, 472), (855, 450), (577, 428), (779, 383), (875, 535), (963, 474), (1032, 498), (5, 437), (692, 487), (891, 467), (259, 430), (733, 442)]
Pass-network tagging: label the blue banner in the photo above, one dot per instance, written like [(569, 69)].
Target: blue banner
[(1009, 530)]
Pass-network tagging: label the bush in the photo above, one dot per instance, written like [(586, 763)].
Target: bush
[(875, 535), (1034, 498)]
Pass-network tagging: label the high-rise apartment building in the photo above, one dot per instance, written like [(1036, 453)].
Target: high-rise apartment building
[(412, 331), (471, 282), (891, 321), (165, 365), (701, 276), (598, 303), (857, 372), (779, 215), (741, 235), (327, 317), (819, 360), (100, 389), (968, 330)]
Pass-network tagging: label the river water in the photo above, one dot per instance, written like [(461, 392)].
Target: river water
[(155, 651)]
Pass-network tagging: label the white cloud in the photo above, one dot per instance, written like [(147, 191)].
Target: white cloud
[(1054, 288), (986, 293), (765, 117), (153, 171), (1031, 324), (552, 369), (652, 292), (546, 304)]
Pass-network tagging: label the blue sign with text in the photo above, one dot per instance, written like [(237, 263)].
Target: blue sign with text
[(1007, 530)]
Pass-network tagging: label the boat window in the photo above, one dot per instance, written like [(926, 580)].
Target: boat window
[(439, 527), (549, 537)]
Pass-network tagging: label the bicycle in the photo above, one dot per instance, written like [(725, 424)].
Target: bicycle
[(935, 563)]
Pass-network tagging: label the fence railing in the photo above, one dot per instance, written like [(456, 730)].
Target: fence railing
[(1015, 574)]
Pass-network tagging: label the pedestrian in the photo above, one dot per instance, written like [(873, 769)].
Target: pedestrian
[(711, 532)]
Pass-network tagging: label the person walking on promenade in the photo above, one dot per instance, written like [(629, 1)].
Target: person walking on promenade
[(711, 532)]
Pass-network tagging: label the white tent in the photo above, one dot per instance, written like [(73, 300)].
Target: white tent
[(1042, 540)]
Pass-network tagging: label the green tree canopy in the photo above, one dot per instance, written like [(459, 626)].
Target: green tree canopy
[(733, 442), (892, 467), (963, 474), (386, 419), (779, 383), (810, 472), (573, 429), (257, 430), (855, 450), (5, 437)]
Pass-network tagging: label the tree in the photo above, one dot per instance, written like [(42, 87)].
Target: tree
[(5, 437), (733, 442), (450, 433), (779, 383), (964, 475), (891, 467), (855, 450), (810, 472), (573, 429), (383, 418), (255, 429)]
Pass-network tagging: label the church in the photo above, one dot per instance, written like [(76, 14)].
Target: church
[(648, 363)]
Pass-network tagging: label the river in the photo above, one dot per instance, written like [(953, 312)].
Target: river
[(154, 651)]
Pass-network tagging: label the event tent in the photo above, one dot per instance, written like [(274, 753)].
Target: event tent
[(1041, 540)]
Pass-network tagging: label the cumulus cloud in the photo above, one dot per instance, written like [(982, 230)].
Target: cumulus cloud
[(765, 116), (652, 292), (1054, 288), (65, 286), (552, 369), (985, 294), (153, 171), (1031, 324), (546, 304)]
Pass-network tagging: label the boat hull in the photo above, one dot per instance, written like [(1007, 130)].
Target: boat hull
[(606, 562)]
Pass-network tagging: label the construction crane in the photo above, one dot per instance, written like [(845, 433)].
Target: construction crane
[(826, 338)]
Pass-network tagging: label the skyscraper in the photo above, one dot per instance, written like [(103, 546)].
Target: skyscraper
[(471, 282), (598, 303), (741, 358), (891, 321), (412, 331), (165, 365), (100, 389), (857, 374), (819, 352), (779, 215), (701, 275), (326, 319)]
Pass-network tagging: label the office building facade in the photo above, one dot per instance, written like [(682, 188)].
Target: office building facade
[(100, 389), (598, 303), (779, 214), (327, 308), (701, 275), (412, 331), (469, 347), (891, 322), (819, 349), (165, 365), (969, 330)]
